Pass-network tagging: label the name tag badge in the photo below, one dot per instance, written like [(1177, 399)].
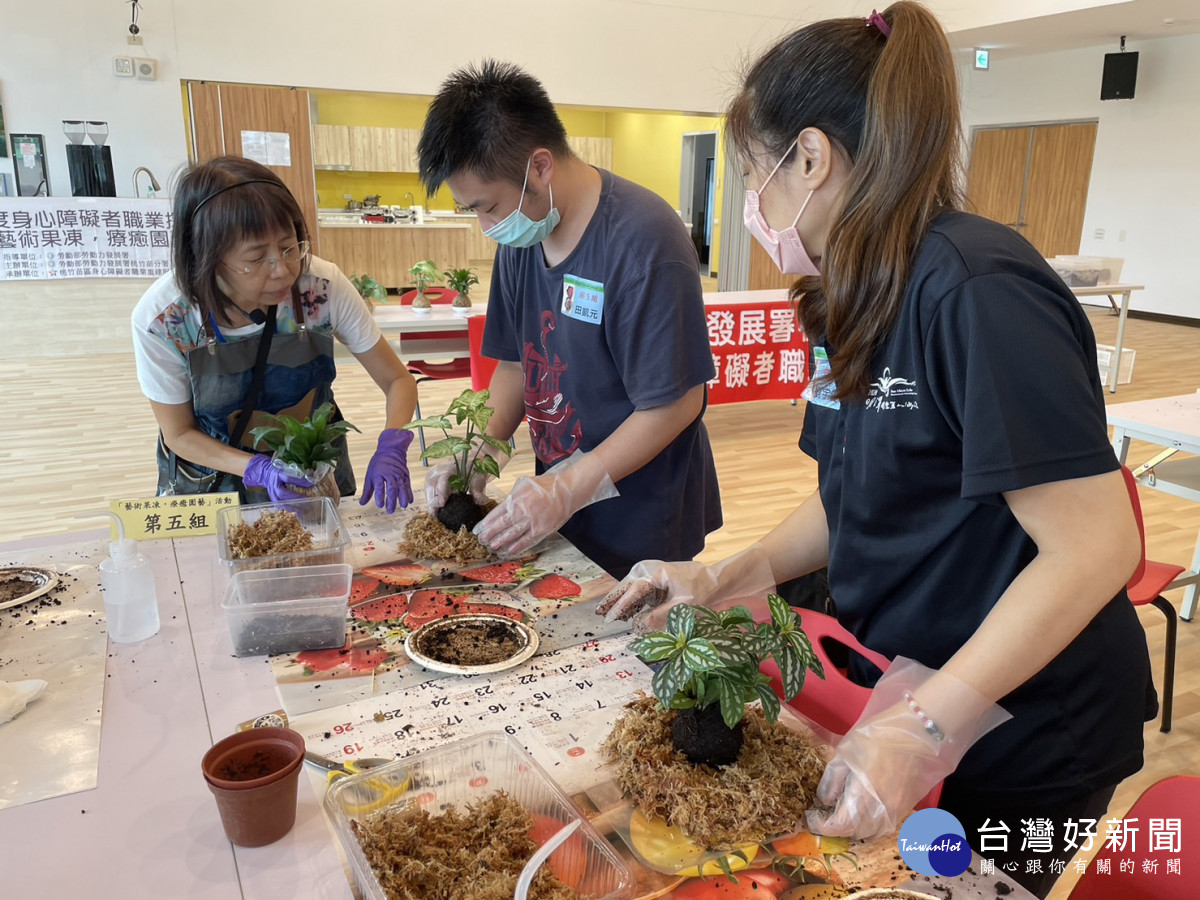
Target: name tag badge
[(821, 395), (582, 299)]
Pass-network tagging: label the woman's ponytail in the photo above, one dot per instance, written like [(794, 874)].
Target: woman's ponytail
[(886, 97)]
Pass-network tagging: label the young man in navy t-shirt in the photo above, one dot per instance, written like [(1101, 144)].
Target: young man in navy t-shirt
[(597, 318)]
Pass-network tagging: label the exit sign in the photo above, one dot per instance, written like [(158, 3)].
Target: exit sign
[(981, 58)]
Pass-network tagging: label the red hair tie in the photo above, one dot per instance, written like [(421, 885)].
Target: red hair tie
[(877, 20)]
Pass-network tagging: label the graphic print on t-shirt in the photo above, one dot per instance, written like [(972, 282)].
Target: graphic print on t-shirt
[(889, 391), (554, 428)]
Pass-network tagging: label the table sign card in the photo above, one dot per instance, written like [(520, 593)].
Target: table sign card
[(189, 515)]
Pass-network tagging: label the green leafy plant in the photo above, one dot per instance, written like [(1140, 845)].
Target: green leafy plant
[(461, 280), (368, 288), (425, 273), (470, 409), (713, 657), (304, 444)]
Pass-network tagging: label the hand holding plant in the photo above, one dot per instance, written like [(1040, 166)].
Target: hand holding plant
[(713, 657), (307, 449), (471, 458)]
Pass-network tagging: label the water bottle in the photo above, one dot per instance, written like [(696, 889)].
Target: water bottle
[(130, 600)]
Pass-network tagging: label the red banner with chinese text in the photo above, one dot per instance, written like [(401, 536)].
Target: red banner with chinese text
[(758, 350)]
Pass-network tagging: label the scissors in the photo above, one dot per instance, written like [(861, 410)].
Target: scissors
[(371, 793)]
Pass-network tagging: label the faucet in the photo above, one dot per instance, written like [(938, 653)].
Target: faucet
[(154, 185), (412, 200)]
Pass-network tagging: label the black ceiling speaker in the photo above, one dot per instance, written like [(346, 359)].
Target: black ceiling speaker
[(1120, 75)]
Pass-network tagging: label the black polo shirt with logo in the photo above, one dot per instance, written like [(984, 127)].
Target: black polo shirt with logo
[(988, 383)]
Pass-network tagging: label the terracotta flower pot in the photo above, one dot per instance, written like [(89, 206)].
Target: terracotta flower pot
[(253, 775)]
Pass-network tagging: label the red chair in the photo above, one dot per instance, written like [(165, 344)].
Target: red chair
[(1147, 873), (433, 369), (482, 367), (1146, 586), (834, 702)]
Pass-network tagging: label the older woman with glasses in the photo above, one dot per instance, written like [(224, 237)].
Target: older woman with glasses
[(243, 329)]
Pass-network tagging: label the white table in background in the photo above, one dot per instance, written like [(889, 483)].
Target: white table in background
[(397, 321), (150, 828), (1173, 423), (1111, 291)]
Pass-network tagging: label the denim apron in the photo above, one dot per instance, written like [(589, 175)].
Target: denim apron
[(299, 378)]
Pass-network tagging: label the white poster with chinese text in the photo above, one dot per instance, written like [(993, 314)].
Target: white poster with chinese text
[(84, 237)]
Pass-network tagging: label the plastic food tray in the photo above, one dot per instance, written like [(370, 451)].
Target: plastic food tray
[(467, 771), (281, 610), (317, 514)]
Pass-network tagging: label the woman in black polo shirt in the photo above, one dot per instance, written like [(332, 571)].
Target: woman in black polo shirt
[(970, 510)]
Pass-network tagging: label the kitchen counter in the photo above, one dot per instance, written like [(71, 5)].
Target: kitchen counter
[(387, 252)]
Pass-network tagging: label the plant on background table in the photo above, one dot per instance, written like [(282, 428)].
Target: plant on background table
[(710, 672), (368, 288), (469, 408), (425, 274), (306, 448), (461, 281)]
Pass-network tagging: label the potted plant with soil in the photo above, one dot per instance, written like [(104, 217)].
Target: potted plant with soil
[(306, 448), (461, 281), (425, 274), (710, 672), (369, 289), (469, 408)]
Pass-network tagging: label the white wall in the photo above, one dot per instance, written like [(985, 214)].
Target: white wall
[(55, 64), (682, 55), (1146, 170)]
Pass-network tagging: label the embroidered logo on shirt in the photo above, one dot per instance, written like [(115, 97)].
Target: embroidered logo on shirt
[(892, 392)]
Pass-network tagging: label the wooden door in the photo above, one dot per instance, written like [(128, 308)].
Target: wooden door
[(996, 179), (221, 112), (207, 139), (1060, 168), (764, 275), (1034, 179)]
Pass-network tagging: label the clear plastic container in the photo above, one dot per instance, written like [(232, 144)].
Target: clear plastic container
[(283, 610), (467, 771), (317, 514), (1087, 271)]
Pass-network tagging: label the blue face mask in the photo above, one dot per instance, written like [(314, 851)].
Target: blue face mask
[(517, 229)]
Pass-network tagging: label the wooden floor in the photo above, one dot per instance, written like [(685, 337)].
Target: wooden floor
[(75, 433)]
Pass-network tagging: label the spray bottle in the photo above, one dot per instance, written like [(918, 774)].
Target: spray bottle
[(127, 580)]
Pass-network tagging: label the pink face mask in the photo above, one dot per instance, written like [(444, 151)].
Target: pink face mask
[(784, 247)]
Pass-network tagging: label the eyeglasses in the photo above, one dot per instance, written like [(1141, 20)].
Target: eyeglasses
[(291, 257)]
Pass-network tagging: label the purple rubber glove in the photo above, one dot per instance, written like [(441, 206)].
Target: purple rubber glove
[(260, 473), (387, 472)]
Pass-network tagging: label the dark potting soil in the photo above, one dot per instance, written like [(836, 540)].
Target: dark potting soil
[(704, 738), (13, 587), (472, 643), (253, 763), (460, 511), (280, 633)]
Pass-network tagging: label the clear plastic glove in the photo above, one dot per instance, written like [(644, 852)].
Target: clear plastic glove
[(538, 507), (437, 481), (262, 473), (895, 754), (652, 587), (387, 472)]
